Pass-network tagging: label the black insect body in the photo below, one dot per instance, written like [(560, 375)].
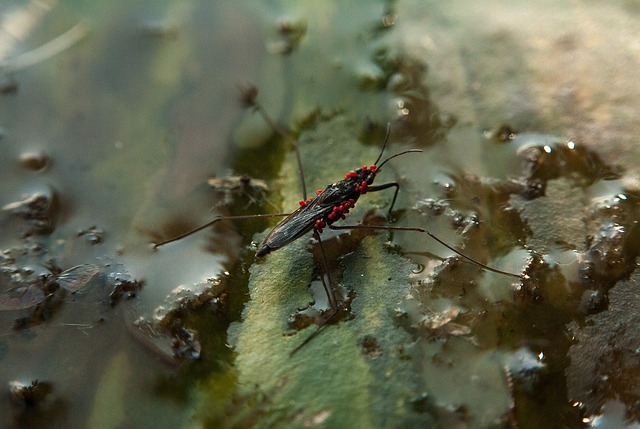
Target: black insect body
[(329, 206), (313, 214)]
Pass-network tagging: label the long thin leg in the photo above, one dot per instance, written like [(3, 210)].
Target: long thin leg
[(331, 296), (248, 97), (333, 301), (387, 186), (218, 219), (291, 140), (409, 228), (314, 334)]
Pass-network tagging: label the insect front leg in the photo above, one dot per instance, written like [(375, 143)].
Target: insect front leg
[(249, 94), (387, 186)]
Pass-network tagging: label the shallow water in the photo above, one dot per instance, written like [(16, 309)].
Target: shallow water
[(107, 146)]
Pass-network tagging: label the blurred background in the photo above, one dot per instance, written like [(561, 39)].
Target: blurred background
[(121, 125)]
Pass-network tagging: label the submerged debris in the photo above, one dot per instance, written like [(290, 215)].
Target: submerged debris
[(123, 286), (35, 161), (503, 134), (76, 278), (34, 287), (253, 189), (17, 297), (93, 235), (288, 36), (605, 351), (38, 209), (371, 348), (186, 344), (609, 251), (172, 336), (26, 286), (8, 84), (439, 325), (525, 368), (29, 396)]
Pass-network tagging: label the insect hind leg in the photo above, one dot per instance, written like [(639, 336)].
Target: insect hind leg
[(434, 237), (328, 288), (337, 309)]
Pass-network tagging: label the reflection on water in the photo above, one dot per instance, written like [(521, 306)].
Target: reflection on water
[(120, 126)]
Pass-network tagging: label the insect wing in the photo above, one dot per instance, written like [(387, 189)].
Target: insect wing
[(335, 194), (76, 278), (20, 298), (296, 225), (302, 220)]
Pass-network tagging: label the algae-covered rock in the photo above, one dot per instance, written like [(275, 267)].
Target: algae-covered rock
[(354, 374)]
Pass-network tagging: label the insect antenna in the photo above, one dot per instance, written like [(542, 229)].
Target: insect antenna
[(397, 155), (384, 145)]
